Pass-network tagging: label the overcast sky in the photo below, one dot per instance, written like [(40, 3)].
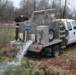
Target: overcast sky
[(16, 2)]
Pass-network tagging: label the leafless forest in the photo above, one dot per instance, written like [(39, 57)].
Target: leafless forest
[(8, 11)]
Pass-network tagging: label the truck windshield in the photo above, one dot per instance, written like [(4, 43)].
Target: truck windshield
[(74, 24)]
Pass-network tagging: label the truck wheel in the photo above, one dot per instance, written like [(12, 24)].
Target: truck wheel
[(47, 52), (56, 51), (51, 35)]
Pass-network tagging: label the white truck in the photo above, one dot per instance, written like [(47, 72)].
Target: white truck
[(49, 35), (70, 27)]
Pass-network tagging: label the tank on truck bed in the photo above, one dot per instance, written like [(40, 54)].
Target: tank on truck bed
[(46, 33)]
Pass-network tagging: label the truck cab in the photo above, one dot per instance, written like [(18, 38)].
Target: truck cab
[(70, 27)]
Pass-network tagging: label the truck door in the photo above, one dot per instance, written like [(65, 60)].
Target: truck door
[(74, 30), (70, 36)]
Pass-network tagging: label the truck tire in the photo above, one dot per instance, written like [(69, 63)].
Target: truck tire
[(51, 35), (56, 51), (47, 52)]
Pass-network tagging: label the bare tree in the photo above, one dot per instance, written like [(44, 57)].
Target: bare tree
[(2, 8), (64, 11), (6, 11), (43, 4), (53, 5), (28, 7)]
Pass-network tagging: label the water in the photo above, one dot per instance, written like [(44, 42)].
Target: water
[(21, 53), (3, 66), (19, 57)]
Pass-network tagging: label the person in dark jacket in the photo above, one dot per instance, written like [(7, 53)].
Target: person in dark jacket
[(20, 18)]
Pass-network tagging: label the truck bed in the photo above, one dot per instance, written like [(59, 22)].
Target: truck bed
[(34, 46), (55, 41)]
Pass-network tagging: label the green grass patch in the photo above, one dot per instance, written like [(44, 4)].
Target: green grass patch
[(5, 58), (27, 67), (7, 33)]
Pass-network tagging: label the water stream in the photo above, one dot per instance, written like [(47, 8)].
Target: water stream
[(21, 53), (3, 66), (19, 57)]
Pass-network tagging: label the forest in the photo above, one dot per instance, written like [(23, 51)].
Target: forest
[(8, 11)]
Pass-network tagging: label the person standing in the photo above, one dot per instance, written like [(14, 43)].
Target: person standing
[(20, 18)]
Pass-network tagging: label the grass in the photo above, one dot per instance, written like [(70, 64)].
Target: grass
[(8, 31), (5, 58), (27, 67), (7, 34)]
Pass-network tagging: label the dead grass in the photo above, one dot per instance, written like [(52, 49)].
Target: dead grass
[(66, 63), (7, 33), (9, 51)]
